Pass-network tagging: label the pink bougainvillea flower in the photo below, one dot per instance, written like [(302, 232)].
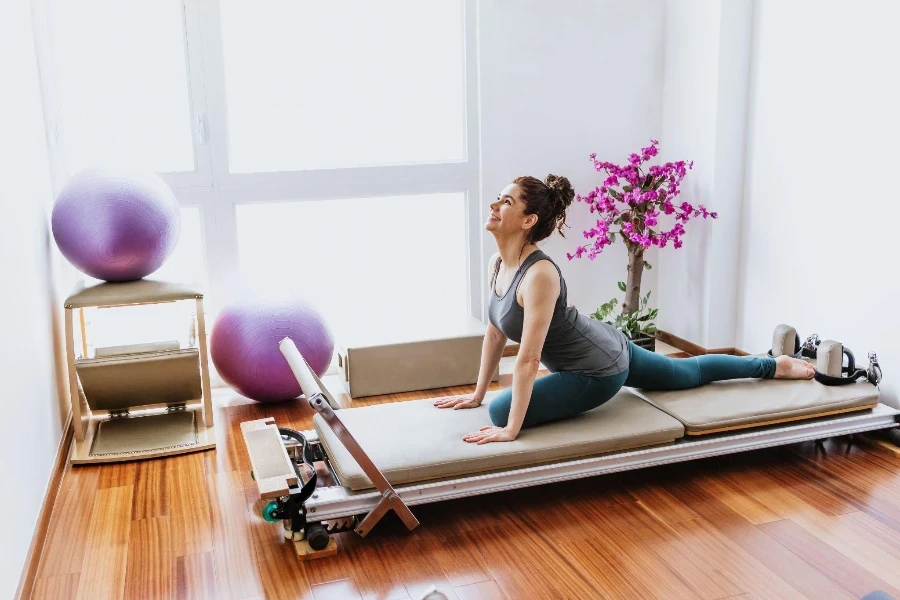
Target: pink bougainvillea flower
[(651, 191)]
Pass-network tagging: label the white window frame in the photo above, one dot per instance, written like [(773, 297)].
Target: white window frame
[(217, 192)]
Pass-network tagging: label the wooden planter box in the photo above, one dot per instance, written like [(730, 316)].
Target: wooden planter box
[(648, 342)]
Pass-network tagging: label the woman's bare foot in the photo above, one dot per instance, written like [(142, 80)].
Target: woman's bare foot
[(788, 367)]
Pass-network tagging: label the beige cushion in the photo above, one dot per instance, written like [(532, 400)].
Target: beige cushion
[(125, 381), (415, 441), (442, 353), (135, 435), (142, 291), (740, 403)]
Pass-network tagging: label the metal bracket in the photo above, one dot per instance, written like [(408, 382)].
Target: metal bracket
[(176, 407), (316, 452), (389, 498), (118, 413)]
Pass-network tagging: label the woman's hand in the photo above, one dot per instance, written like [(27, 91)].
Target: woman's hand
[(454, 402), (490, 434)]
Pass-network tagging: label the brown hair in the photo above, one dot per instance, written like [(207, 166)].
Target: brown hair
[(549, 200)]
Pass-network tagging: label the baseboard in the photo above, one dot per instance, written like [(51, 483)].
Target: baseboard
[(33, 558), (732, 351), (687, 348), (692, 349)]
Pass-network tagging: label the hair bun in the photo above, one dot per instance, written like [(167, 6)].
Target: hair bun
[(561, 190)]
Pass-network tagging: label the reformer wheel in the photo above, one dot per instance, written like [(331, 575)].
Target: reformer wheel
[(316, 536), (270, 512)]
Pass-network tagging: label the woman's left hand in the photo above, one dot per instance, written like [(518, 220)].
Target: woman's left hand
[(490, 434)]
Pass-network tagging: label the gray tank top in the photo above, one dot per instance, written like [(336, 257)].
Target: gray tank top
[(574, 341)]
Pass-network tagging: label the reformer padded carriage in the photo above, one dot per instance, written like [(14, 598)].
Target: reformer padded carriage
[(396, 455)]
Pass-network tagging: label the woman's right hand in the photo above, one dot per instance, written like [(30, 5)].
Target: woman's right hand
[(461, 401)]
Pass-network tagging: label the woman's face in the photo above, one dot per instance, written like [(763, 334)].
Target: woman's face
[(507, 213)]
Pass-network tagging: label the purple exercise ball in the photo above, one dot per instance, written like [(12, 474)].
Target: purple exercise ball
[(244, 346), (116, 227)]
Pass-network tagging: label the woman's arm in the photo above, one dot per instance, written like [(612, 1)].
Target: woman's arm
[(539, 298), (491, 353), (494, 342), (539, 294)]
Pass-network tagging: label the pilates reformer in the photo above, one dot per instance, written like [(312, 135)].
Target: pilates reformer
[(429, 462)]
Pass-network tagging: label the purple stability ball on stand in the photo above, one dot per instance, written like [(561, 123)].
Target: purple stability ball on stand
[(115, 227), (244, 346)]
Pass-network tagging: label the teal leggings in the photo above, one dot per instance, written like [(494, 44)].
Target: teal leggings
[(565, 394)]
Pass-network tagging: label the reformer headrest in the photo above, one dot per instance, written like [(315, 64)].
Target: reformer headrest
[(830, 368)]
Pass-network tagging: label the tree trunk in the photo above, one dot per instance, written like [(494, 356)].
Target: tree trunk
[(633, 285)]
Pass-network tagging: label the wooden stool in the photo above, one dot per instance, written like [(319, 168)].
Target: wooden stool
[(138, 401)]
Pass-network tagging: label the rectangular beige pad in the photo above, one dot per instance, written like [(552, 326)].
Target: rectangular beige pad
[(136, 435), (402, 359), (415, 441), (741, 403), (125, 381)]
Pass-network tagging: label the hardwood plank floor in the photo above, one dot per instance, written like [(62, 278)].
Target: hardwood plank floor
[(813, 521)]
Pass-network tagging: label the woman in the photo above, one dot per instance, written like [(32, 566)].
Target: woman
[(589, 360)]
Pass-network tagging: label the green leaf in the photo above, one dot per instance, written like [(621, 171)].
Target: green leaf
[(622, 286), (612, 237), (647, 265), (614, 194), (651, 329), (627, 188)]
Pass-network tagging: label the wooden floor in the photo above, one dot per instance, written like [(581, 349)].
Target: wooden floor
[(794, 522)]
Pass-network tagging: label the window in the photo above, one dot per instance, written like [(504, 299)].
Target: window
[(316, 85), (366, 263), (121, 84), (297, 136)]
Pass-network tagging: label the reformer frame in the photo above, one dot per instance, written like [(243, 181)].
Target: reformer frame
[(277, 463)]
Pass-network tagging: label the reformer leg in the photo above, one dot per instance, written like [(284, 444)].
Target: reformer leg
[(389, 498)]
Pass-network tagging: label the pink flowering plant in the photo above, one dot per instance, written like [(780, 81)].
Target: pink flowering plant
[(631, 204)]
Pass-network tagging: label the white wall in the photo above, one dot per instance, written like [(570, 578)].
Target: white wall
[(705, 85), (31, 425), (558, 81), (822, 202)]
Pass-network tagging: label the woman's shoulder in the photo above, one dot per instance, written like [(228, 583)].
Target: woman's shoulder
[(543, 273), (542, 262)]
